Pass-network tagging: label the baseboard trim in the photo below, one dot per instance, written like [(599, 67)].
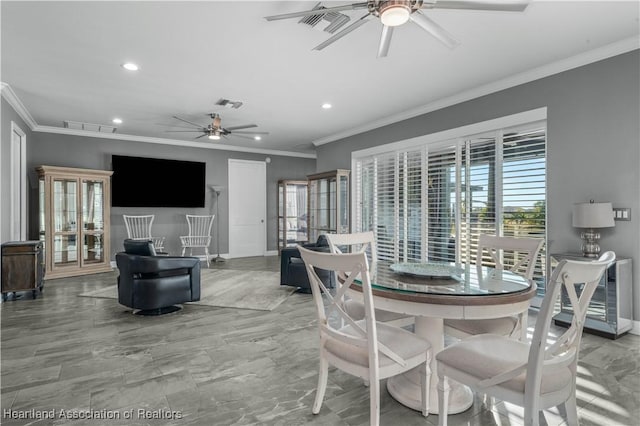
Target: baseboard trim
[(271, 253), (635, 328)]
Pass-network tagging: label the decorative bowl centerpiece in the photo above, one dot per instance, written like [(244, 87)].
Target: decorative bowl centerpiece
[(435, 270)]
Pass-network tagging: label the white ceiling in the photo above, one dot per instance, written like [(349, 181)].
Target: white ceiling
[(62, 60)]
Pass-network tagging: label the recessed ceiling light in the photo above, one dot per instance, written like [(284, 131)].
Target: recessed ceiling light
[(258, 138), (130, 66), (326, 105), (117, 121)]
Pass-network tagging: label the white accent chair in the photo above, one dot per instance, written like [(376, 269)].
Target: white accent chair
[(199, 234), (139, 228), (363, 242), (515, 326), (536, 376), (365, 348)]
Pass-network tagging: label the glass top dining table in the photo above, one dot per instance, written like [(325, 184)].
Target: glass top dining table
[(433, 292), (442, 279)]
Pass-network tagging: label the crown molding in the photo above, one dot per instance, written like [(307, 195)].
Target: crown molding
[(585, 58), (10, 96), (22, 111), (163, 141)]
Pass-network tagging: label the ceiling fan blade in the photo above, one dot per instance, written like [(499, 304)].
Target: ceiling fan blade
[(434, 29), (241, 136), (193, 124), (385, 41), (250, 133), (357, 24), (312, 12), (201, 136), (244, 126), (505, 6), (185, 131)]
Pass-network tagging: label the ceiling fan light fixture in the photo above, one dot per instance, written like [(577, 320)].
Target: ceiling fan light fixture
[(214, 136), (395, 13)]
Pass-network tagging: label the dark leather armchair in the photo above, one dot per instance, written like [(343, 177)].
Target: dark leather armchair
[(293, 271), (154, 284)]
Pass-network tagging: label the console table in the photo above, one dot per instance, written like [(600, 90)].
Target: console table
[(22, 267), (610, 312)]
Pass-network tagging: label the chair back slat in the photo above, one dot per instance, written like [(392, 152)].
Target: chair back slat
[(569, 274), (525, 252), (200, 225), (358, 242), (138, 227)]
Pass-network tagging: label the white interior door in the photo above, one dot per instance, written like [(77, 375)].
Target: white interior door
[(18, 184), (247, 208)]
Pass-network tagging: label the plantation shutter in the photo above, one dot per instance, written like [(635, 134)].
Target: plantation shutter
[(431, 203)]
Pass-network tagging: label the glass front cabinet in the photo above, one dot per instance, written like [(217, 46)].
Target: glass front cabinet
[(292, 212), (329, 203), (74, 213)]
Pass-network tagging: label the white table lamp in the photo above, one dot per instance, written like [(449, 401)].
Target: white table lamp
[(592, 216)]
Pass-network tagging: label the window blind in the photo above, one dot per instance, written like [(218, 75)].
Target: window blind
[(431, 203)]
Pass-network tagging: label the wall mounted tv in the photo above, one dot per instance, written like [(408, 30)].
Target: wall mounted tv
[(156, 182)]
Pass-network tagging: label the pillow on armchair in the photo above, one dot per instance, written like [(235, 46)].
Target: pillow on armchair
[(293, 271), (139, 247)]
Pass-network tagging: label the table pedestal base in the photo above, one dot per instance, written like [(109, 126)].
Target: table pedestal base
[(405, 389)]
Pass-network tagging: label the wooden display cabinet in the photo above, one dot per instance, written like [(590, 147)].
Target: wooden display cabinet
[(74, 220), (292, 212), (329, 203)]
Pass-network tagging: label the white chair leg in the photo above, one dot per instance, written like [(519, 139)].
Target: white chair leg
[(183, 250), (523, 326), (572, 410), (374, 402), (206, 253), (531, 414), (443, 400), (322, 385), (426, 382)]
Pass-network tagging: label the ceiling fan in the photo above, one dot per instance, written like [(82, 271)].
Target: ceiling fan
[(395, 13), (215, 131)]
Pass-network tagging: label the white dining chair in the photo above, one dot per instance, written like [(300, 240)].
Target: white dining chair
[(199, 234), (363, 242), (139, 228), (535, 376), (525, 253), (365, 348)]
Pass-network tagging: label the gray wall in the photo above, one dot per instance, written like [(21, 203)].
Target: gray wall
[(95, 153), (8, 115), (593, 145)]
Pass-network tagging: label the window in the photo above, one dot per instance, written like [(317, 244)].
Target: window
[(431, 201)]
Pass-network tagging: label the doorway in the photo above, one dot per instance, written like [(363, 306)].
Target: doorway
[(247, 208), (18, 184)]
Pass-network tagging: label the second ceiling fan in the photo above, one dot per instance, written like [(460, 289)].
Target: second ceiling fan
[(215, 131), (397, 12)]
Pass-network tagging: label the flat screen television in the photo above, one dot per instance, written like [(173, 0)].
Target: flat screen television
[(157, 182)]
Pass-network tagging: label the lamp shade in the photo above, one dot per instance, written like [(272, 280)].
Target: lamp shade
[(593, 215)]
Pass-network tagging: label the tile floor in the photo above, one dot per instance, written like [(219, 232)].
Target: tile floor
[(221, 366)]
